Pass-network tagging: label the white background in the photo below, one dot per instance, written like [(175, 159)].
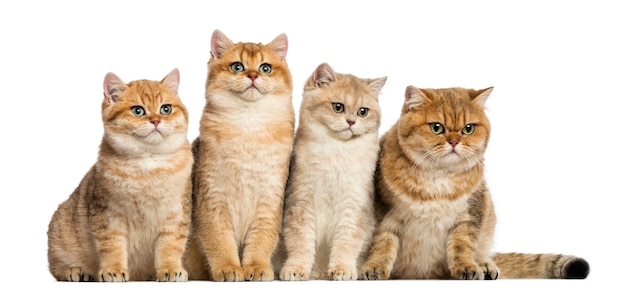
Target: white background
[(555, 163)]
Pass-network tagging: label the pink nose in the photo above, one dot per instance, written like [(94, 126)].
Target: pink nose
[(350, 122), (155, 122), (252, 76), (453, 143)]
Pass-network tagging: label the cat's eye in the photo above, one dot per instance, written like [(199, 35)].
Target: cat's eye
[(138, 111), (338, 107), (468, 129), (265, 69), (166, 109), (436, 128), (363, 112), (237, 67)]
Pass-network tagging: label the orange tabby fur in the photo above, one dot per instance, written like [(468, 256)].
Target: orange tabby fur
[(436, 219), (242, 161), (129, 217)]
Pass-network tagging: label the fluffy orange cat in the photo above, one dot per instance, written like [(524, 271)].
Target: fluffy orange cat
[(129, 218), (242, 161), (435, 216)]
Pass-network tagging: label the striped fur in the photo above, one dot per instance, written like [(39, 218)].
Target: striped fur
[(129, 218), (242, 161), (436, 219)]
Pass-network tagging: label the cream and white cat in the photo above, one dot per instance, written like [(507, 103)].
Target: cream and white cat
[(329, 214)]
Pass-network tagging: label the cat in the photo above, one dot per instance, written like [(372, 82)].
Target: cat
[(329, 212), (242, 158), (435, 216), (129, 218)]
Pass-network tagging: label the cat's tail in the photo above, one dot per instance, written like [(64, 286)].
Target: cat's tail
[(540, 266)]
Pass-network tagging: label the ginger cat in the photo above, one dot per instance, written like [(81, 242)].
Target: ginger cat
[(435, 216), (329, 213), (129, 218), (242, 161)]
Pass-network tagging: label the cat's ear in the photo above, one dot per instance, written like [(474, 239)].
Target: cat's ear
[(172, 80), (413, 97), (219, 43), (323, 75), (377, 84), (479, 97), (279, 45), (113, 87)]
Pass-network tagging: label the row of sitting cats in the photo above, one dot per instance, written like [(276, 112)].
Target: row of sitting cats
[(254, 199)]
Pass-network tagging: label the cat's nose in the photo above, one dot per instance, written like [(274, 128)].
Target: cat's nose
[(252, 76), (155, 122), (350, 122), (453, 143)]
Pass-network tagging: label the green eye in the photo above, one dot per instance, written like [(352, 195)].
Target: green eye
[(265, 68), (363, 112), (237, 67), (436, 128), (138, 111), (338, 107), (166, 109), (469, 129)]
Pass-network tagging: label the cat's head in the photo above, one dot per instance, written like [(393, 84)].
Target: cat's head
[(444, 128), (144, 115), (343, 105), (249, 70)]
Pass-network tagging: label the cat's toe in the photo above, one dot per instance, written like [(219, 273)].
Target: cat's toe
[(258, 273), (172, 275), (373, 273), (113, 275), (228, 274), (294, 273), (342, 274), (467, 272)]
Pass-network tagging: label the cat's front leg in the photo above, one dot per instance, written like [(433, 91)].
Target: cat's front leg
[(261, 241), (382, 256), (111, 241), (299, 239), (461, 252), (169, 249)]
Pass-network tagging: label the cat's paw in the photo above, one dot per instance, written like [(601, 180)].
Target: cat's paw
[(78, 275), (373, 272), (228, 274), (467, 271), (342, 273), (258, 272), (490, 270), (113, 275), (294, 273), (172, 275)]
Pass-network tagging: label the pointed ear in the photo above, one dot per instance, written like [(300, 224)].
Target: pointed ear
[(377, 84), (219, 43), (323, 75), (172, 80), (279, 45), (480, 97), (413, 97), (113, 87)]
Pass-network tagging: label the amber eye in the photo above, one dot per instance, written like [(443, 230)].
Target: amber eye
[(436, 128), (138, 111), (338, 107), (265, 69), (237, 67), (363, 112), (166, 109), (469, 129)]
